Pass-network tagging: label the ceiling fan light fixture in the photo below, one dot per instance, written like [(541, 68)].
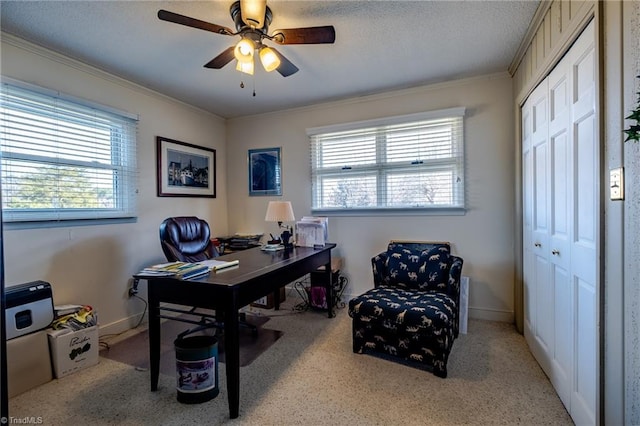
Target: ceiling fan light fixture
[(269, 59), (252, 19), (244, 50), (245, 67), (253, 12)]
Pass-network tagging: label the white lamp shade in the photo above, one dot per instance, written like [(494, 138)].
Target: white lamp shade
[(269, 59), (244, 50), (253, 12), (245, 67), (279, 211)]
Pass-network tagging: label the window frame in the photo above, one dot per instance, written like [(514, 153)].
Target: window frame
[(121, 128), (455, 163)]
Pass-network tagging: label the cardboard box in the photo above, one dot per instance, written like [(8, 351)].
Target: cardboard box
[(73, 350), (267, 302), (28, 362)]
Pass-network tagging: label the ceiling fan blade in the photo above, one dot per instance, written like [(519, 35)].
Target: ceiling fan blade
[(222, 59), (286, 67), (309, 35), (165, 15)]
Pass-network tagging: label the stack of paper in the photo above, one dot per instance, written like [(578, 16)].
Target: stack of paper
[(216, 265), (312, 231)]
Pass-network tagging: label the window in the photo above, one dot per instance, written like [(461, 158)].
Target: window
[(399, 163), (64, 160)]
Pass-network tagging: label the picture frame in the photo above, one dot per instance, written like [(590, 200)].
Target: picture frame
[(265, 171), (184, 169)]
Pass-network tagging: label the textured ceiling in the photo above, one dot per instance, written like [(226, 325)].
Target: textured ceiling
[(380, 46)]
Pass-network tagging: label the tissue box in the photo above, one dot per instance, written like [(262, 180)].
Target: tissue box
[(73, 350)]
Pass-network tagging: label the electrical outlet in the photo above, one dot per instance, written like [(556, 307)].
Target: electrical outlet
[(616, 183), (133, 290)]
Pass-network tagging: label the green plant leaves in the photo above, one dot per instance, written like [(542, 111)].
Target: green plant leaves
[(633, 132)]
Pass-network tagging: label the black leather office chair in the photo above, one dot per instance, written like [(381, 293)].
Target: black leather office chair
[(188, 239)]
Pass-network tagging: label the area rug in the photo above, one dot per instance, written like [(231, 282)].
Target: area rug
[(134, 350)]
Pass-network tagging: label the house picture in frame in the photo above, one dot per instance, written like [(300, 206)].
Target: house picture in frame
[(265, 171), (184, 169)]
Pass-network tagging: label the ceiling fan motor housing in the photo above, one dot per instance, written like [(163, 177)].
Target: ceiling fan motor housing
[(236, 15)]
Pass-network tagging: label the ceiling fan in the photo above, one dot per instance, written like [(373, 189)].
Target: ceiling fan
[(252, 19)]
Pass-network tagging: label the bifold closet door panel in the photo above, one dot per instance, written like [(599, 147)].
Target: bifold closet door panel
[(560, 99), (584, 248)]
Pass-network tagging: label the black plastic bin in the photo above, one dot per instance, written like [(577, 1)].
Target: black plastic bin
[(196, 368)]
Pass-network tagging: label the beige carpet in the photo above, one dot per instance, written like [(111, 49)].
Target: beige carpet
[(310, 376)]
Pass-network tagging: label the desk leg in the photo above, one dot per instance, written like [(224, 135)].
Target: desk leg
[(154, 337), (276, 299), (232, 359), (329, 288)]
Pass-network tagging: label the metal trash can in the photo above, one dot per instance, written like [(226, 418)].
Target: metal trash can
[(196, 368)]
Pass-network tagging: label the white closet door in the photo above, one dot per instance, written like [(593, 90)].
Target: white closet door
[(560, 227), (558, 250), (586, 219), (538, 285)]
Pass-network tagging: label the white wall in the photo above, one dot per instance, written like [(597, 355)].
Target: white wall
[(630, 89), (483, 237), (93, 264)]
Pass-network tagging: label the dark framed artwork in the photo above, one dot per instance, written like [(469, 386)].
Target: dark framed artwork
[(265, 172), (185, 170)]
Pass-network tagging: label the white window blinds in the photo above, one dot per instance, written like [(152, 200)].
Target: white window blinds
[(64, 160), (398, 163)]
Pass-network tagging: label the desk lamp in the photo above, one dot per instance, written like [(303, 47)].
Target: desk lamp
[(281, 211)]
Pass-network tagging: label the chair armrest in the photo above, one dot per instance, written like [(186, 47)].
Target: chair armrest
[(379, 266), (453, 288), (455, 272)]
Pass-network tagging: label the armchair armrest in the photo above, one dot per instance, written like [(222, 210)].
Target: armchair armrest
[(453, 288), (455, 272), (379, 267)]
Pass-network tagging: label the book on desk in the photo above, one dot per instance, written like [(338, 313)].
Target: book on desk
[(186, 270)]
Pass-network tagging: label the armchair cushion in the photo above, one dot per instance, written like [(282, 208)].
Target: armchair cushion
[(418, 269), (408, 310)]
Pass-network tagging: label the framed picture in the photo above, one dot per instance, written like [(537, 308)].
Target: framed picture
[(185, 170), (265, 172)]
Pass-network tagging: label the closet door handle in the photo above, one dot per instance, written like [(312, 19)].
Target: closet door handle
[(537, 244), (555, 252)]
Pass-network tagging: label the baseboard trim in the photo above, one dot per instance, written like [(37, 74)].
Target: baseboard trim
[(491, 314), (122, 325)]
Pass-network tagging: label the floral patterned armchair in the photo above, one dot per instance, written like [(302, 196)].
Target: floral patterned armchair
[(413, 310)]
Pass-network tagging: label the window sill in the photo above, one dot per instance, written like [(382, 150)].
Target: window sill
[(444, 211), (14, 226)]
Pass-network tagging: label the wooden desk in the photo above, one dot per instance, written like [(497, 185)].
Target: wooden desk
[(259, 273)]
